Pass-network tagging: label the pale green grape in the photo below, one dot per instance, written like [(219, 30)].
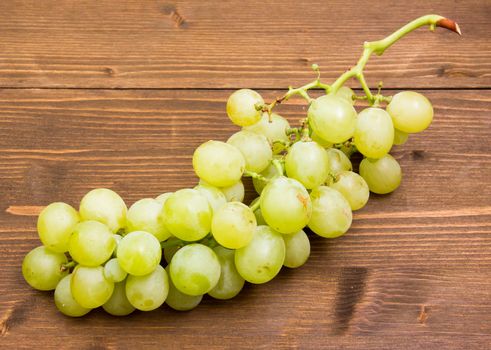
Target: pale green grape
[(215, 196), (42, 268), (374, 133), (118, 304), (234, 193), (178, 300), (332, 118), (92, 243), (233, 225), (105, 206), (257, 213), (144, 215), (241, 107), (64, 299), (270, 172), (382, 175), (262, 259), (338, 161), (172, 249), (187, 215), (139, 253), (218, 163), (308, 163), (346, 93), (286, 205), (323, 143), (297, 247), (148, 292), (274, 130), (254, 147), (195, 269), (113, 272), (89, 286), (400, 137), (411, 112), (331, 214), (230, 283), (163, 197), (117, 239), (353, 188), (55, 226)]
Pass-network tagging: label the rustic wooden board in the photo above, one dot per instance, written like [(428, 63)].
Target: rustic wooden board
[(224, 44), (413, 272)]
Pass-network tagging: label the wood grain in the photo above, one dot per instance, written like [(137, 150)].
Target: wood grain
[(232, 44), (412, 272)]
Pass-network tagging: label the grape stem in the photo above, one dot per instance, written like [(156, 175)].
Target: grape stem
[(255, 206), (173, 243), (378, 47), (68, 265), (254, 175)]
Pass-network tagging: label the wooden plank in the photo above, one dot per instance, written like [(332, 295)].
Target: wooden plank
[(232, 44), (413, 272)]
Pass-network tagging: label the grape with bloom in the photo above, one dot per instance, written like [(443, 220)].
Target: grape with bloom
[(181, 245)]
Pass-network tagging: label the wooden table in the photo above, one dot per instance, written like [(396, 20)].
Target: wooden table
[(118, 94)]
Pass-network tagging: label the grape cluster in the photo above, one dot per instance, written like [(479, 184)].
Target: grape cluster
[(107, 255), (211, 242)]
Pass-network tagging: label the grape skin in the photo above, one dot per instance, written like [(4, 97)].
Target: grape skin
[(215, 196), (218, 163), (337, 161), (55, 225), (331, 214), (297, 249), (118, 304), (42, 268), (274, 130), (411, 112), (353, 187), (234, 193), (382, 175), (233, 225), (105, 206), (241, 107), (254, 147), (64, 299), (89, 286), (144, 215), (178, 300), (307, 162), (230, 283), (374, 133), (262, 259), (148, 292), (139, 253)]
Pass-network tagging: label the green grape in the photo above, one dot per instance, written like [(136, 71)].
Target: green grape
[(270, 172), (215, 196), (254, 147), (331, 214), (353, 188), (148, 292), (118, 304), (178, 300), (257, 213), (144, 215), (382, 175), (113, 272), (274, 130), (233, 225), (117, 239), (332, 118), (139, 253), (218, 163), (411, 112), (89, 286), (64, 299), (321, 142), (92, 243), (230, 283), (286, 205), (307, 162), (241, 107), (43, 268), (374, 133), (187, 215), (262, 259), (338, 161), (171, 250), (297, 249), (55, 226), (346, 93), (105, 206), (400, 137), (234, 193), (195, 269), (163, 197)]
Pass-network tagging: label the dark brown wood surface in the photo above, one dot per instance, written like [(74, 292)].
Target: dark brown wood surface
[(118, 94)]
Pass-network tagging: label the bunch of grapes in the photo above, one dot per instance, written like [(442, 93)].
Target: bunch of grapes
[(208, 240)]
